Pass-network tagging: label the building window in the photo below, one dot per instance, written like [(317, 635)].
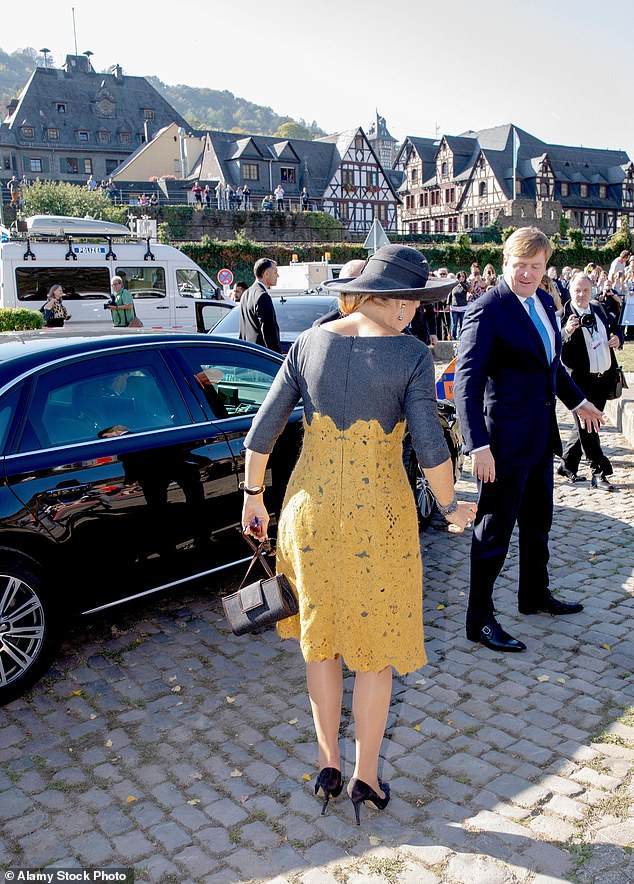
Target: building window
[(413, 227), (343, 211), (518, 186), (603, 191), (452, 224), (444, 169), (380, 211), (103, 137), (6, 161), (414, 172), (347, 177), (439, 225), (435, 197), (250, 172), (421, 200), (60, 107), (358, 142), (87, 166), (72, 165), (27, 132), (111, 165), (565, 188), (482, 190), (372, 180), (583, 190), (287, 175), (426, 198), (53, 134), (148, 113), (544, 190), (629, 194), (82, 135), (35, 164), (124, 137), (483, 219)]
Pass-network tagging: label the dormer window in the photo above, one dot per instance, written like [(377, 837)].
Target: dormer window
[(565, 188), (103, 136), (444, 169), (82, 135), (583, 190), (148, 113), (482, 189), (603, 191), (53, 134), (414, 176), (28, 132), (60, 107), (124, 137)]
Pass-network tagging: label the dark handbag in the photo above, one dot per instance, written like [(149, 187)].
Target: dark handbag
[(620, 384), (261, 603)]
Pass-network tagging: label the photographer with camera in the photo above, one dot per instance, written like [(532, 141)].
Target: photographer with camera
[(588, 344), (121, 304)]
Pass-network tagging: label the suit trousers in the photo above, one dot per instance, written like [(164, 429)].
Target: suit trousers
[(595, 389), (522, 495)]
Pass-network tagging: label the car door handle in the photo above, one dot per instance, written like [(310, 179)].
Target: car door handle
[(162, 308), (182, 306), (68, 488)]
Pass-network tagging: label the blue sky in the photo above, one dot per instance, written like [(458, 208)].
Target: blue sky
[(560, 70)]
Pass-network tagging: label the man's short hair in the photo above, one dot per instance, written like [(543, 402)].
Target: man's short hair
[(526, 242), (261, 266), (625, 254), (116, 279), (241, 285)]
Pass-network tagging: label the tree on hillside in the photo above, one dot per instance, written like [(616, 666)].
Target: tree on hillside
[(61, 198), (293, 130)]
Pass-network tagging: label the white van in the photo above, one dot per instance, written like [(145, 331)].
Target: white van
[(82, 255), (302, 277)]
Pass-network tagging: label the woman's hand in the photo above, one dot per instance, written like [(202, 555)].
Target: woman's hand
[(255, 518), (462, 517)]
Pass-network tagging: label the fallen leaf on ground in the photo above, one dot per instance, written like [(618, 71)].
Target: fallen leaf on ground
[(374, 840), (607, 647), (421, 681), (130, 799), (293, 721), (543, 678), (92, 716), (77, 693), (230, 699), (108, 744), (194, 801), (440, 607), (306, 776), (236, 773), (172, 678), (561, 681), (417, 727), (176, 689)]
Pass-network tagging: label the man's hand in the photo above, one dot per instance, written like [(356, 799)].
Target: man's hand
[(590, 417), (573, 323), (433, 340), (483, 465), (614, 341)]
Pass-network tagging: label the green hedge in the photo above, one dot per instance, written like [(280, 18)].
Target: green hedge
[(19, 319)]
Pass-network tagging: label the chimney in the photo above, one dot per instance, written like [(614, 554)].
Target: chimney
[(118, 73)]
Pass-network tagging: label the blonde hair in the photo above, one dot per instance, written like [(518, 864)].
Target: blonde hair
[(550, 286), (527, 242), (351, 301)]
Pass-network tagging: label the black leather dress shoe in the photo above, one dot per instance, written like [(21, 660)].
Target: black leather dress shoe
[(550, 605), (568, 474), (492, 636), (599, 481)]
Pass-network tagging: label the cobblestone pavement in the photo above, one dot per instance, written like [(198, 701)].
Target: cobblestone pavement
[(161, 742)]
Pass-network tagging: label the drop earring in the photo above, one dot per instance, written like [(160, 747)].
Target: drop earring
[(400, 315)]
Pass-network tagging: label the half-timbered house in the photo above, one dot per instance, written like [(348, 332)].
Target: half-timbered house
[(508, 177)]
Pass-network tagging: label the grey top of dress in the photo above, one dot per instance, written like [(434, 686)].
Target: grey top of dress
[(355, 379)]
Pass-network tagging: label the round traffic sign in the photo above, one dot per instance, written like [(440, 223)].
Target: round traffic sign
[(225, 277)]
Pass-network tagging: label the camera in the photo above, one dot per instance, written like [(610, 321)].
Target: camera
[(587, 321), (109, 303)]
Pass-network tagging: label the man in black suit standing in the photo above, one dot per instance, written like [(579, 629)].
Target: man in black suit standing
[(258, 322), (507, 376)]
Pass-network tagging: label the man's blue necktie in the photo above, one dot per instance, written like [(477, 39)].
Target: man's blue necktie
[(539, 325)]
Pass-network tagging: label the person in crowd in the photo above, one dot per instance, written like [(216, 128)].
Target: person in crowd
[(207, 195), (348, 541), (588, 351), (279, 198), (477, 283), (267, 203), (153, 201), (237, 291), (457, 301), (507, 376), (54, 311), (13, 186), (220, 195), (304, 200), (489, 277), (548, 285), (619, 264), (562, 287), (246, 197), (198, 194), (237, 199), (258, 322), (91, 184), (121, 305), (229, 197)]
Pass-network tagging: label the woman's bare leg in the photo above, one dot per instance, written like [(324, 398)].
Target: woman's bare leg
[(325, 690), (370, 707)]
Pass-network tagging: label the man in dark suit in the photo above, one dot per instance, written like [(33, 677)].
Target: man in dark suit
[(507, 376), (258, 322), (587, 350)]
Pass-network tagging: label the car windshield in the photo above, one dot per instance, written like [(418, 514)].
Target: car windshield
[(293, 315)]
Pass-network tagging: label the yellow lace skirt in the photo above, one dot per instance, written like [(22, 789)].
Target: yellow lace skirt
[(348, 543)]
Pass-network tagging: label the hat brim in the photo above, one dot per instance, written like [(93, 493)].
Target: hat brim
[(433, 290)]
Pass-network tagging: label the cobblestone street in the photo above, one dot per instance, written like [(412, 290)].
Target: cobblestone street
[(160, 742)]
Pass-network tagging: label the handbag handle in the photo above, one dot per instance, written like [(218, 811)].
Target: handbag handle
[(257, 556)]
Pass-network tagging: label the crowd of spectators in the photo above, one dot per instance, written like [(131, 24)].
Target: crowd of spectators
[(610, 288)]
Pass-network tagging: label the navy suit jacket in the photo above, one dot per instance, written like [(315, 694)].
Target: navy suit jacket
[(504, 387)]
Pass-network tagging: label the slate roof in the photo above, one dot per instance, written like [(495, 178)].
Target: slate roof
[(80, 88)]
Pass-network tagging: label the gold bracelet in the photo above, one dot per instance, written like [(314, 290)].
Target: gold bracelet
[(246, 490)]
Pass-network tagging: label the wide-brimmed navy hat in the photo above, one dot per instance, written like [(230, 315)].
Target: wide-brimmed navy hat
[(395, 272)]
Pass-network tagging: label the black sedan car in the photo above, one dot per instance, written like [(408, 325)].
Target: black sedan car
[(121, 456)]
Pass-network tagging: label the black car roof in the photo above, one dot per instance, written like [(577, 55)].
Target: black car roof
[(23, 352)]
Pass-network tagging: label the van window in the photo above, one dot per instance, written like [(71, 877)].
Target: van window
[(144, 282), (79, 283), (192, 284)]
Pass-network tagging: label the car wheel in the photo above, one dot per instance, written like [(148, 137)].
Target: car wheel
[(425, 500), (27, 633)]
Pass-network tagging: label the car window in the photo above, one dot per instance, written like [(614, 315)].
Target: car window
[(78, 283), (8, 406), (192, 284), (147, 281), (102, 397), (213, 312), (231, 382)]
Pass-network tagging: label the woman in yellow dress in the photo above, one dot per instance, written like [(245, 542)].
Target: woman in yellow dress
[(348, 532)]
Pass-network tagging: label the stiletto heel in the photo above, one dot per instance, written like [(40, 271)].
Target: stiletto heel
[(330, 783), (360, 793)]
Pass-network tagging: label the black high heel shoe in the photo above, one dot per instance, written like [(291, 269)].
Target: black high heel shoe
[(330, 783), (360, 793)]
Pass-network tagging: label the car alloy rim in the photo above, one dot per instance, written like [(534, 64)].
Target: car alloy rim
[(21, 628)]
